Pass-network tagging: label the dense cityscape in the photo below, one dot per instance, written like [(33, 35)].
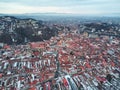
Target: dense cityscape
[(61, 54)]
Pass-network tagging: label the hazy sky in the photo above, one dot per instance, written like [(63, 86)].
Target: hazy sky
[(82, 7)]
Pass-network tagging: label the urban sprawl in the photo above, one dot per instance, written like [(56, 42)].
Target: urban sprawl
[(38, 55)]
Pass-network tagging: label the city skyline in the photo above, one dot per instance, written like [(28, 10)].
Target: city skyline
[(79, 7)]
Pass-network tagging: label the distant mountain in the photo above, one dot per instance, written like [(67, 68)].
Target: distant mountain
[(67, 18), (2, 14), (63, 16)]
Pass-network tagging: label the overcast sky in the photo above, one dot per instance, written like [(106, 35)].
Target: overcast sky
[(81, 7)]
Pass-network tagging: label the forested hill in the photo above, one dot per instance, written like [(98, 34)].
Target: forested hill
[(18, 31)]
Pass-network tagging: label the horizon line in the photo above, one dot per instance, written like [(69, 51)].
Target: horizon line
[(70, 14)]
